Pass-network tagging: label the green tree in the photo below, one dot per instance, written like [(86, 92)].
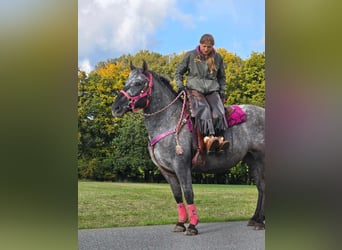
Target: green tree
[(130, 155), (246, 85), (95, 123)]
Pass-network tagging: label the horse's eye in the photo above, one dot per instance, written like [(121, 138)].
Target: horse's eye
[(138, 84)]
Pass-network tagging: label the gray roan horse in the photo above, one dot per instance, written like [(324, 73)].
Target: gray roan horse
[(171, 148)]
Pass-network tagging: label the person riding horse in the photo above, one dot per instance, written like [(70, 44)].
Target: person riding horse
[(205, 87), (163, 115)]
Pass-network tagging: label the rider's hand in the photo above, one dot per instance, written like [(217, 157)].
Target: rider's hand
[(181, 89), (223, 98)]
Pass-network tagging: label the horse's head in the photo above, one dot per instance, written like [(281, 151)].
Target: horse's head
[(136, 93)]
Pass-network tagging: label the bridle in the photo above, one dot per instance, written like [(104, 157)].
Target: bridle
[(145, 92)]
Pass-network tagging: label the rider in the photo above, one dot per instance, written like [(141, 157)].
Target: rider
[(206, 81)]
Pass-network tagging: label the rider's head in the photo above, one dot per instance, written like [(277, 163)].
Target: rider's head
[(207, 49), (207, 44)]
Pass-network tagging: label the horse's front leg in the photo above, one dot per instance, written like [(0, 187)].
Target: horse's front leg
[(178, 196), (184, 176)]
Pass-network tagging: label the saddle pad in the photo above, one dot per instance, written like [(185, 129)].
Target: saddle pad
[(234, 115)]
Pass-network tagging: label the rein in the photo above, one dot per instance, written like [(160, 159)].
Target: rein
[(179, 126), (169, 105)]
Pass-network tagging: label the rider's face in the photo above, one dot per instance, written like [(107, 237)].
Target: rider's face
[(206, 48)]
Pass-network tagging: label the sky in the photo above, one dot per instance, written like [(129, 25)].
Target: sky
[(108, 29)]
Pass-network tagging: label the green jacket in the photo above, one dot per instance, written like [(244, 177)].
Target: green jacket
[(199, 76)]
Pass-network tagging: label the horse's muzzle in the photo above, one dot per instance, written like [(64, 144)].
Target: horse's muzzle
[(119, 111)]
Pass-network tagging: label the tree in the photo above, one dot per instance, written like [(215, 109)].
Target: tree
[(130, 155), (95, 122), (246, 81)]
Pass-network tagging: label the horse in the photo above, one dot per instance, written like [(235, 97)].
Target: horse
[(171, 146)]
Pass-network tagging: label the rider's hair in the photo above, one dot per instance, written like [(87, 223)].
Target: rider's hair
[(208, 38)]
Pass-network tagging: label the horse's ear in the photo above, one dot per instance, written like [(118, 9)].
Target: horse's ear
[(144, 67), (131, 65)]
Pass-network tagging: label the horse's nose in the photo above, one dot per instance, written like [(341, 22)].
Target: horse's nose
[(115, 109)]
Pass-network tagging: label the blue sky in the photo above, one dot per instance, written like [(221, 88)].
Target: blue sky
[(110, 28)]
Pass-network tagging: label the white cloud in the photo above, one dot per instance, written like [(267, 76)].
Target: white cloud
[(84, 65), (119, 26)]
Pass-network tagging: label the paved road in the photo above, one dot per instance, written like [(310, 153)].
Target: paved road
[(223, 235)]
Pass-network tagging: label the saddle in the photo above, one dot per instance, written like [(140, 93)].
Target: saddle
[(234, 115)]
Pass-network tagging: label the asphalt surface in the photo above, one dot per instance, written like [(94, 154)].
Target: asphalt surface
[(223, 235)]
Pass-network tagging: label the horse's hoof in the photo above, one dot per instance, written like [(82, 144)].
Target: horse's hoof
[(259, 226), (191, 230), (179, 227), (251, 223)]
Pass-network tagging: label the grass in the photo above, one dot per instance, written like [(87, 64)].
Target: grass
[(109, 204)]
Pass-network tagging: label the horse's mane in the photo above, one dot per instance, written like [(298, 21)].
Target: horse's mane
[(165, 80)]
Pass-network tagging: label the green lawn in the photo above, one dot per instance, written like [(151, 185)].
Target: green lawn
[(110, 204)]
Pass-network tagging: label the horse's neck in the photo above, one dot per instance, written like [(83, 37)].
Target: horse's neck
[(158, 122)]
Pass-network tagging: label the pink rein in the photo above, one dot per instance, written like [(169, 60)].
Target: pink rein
[(182, 120)]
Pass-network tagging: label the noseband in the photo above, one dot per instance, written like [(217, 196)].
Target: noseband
[(145, 92)]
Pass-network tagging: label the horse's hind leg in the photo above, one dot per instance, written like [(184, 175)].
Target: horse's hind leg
[(177, 194), (256, 169)]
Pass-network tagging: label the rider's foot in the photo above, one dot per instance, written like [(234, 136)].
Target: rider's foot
[(224, 145), (212, 144)]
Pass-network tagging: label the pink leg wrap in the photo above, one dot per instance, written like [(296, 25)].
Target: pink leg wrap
[(182, 215), (193, 214)]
